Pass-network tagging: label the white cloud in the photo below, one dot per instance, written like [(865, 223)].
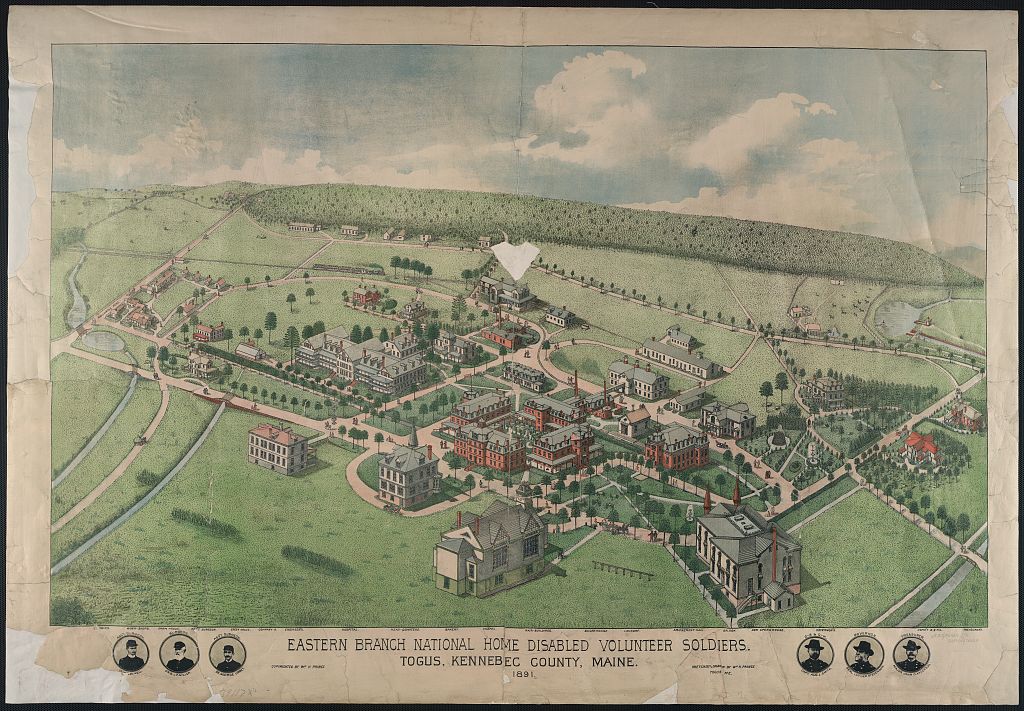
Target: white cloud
[(272, 166), (592, 113), (726, 148), (826, 154), (184, 145), (447, 166)]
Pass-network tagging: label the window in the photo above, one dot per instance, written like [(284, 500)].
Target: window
[(471, 570), (499, 579), (447, 583), (750, 586), (531, 546)]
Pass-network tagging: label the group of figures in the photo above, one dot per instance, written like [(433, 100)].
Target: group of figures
[(179, 654), (864, 655)]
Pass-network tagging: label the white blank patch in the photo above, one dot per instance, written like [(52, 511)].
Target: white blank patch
[(515, 258)]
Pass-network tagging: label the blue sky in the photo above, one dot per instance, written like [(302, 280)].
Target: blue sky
[(868, 141)]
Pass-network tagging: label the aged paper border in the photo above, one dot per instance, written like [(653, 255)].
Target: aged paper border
[(967, 666)]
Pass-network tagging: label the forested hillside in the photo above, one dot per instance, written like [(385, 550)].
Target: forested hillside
[(466, 215)]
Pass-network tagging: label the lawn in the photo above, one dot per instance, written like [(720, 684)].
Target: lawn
[(167, 301), (843, 307), (78, 210), (842, 430), (157, 570), (703, 289), (766, 295), (103, 277), (239, 239), (816, 502), (859, 557), (968, 494), (870, 365), (134, 351), (744, 383), (83, 396), (113, 447), (249, 308), (369, 471), (627, 324), (917, 296), (285, 393), (447, 265), (967, 605), (894, 618), (158, 224), (452, 396), (978, 396), (958, 321), (961, 372), (187, 416)]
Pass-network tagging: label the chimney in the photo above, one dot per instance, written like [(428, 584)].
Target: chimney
[(774, 551), (364, 353), (476, 525), (576, 382), (736, 492), (430, 452), (648, 367), (707, 501), (458, 520)]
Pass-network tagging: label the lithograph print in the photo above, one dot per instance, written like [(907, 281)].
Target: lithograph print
[(522, 358)]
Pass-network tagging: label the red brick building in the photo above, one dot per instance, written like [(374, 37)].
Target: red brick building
[(569, 448), (491, 448), (546, 411), (505, 334), (678, 448), (365, 297), (921, 449), (480, 410)]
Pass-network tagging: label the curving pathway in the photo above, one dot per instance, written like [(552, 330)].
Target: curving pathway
[(98, 436), (71, 557)]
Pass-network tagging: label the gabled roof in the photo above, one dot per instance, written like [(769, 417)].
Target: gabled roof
[(405, 459), (774, 590), (678, 353), (637, 415), (455, 545), (276, 434), (633, 372), (502, 522)]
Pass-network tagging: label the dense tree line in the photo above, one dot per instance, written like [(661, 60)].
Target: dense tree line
[(466, 215)]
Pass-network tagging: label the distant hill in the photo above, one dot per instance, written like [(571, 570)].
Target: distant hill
[(757, 245), (968, 257)]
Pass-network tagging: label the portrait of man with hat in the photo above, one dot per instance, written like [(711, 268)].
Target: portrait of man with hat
[(131, 661), (862, 658), (179, 663), (230, 664), (911, 663), (814, 663)]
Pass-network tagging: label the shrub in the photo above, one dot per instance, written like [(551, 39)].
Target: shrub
[(69, 612), (147, 478), (217, 527), (316, 560)]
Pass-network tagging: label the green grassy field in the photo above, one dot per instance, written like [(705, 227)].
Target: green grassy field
[(167, 301), (625, 323), (961, 372), (967, 606), (870, 365), (369, 471), (448, 265), (843, 307), (113, 447), (285, 393), (978, 396), (958, 320), (186, 418), (104, 277), (841, 432), (83, 396), (134, 347), (766, 295), (968, 494), (83, 210), (744, 383), (249, 308), (704, 288), (238, 239), (894, 618), (157, 570), (158, 224), (859, 558)]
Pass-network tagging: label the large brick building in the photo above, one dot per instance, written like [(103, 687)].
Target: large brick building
[(678, 448), (544, 411), (407, 475), (680, 359), (524, 376), (516, 297), (824, 393), (480, 410), (489, 447), (634, 380), (453, 348), (571, 448), (380, 366)]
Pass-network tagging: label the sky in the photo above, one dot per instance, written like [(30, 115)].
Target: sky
[(877, 142)]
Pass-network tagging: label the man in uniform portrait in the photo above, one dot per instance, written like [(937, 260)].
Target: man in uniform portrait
[(911, 663), (862, 658), (180, 663), (230, 664), (131, 661), (814, 663)]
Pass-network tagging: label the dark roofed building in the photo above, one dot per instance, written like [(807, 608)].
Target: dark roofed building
[(496, 550), (754, 561)]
